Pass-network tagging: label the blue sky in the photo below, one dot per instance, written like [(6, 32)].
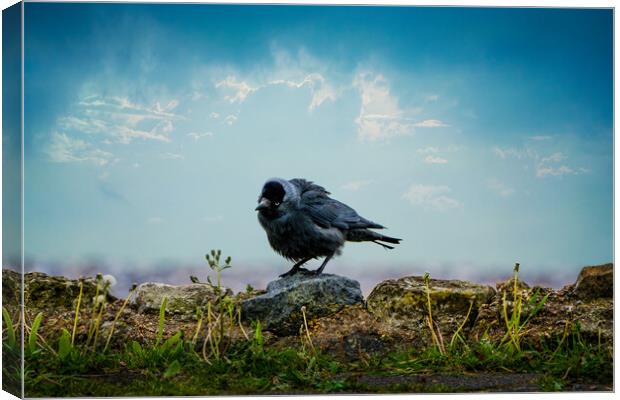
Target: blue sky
[(481, 137)]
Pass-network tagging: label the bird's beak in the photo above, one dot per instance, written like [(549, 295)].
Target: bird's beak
[(263, 203)]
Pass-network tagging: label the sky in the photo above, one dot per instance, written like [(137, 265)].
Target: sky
[(481, 137)]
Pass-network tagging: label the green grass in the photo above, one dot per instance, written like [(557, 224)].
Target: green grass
[(173, 368)]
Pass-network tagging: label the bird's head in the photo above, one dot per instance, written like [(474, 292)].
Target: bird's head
[(276, 194)]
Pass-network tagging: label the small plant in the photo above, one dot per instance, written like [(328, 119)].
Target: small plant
[(162, 320), (77, 311), (10, 329), (436, 336), (515, 323), (304, 328), (118, 314), (34, 331), (214, 263)]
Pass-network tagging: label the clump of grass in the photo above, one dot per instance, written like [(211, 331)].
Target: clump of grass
[(515, 321)]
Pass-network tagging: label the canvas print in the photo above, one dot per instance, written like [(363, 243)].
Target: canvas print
[(204, 199)]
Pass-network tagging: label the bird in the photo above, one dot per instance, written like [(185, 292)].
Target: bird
[(303, 223)]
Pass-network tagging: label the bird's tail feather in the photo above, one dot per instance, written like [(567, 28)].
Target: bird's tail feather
[(363, 235)]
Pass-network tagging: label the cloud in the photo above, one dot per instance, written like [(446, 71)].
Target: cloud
[(230, 119), (430, 159), (544, 166), (543, 171), (115, 119), (198, 136), (431, 98), (428, 150), (540, 138), (430, 123), (236, 92), (65, 149), (355, 185), (555, 157), (214, 115), (154, 220), (172, 156), (319, 88), (429, 196), (380, 116), (500, 188)]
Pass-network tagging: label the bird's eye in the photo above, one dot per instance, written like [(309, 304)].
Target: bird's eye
[(277, 203)]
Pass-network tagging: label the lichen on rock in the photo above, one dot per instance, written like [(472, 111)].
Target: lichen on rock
[(403, 302), (181, 299), (279, 310)]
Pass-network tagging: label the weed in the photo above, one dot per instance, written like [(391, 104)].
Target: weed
[(515, 323), (436, 336)]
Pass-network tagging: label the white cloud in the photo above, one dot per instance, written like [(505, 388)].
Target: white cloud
[(380, 116), (543, 171), (540, 138), (198, 136), (430, 123), (126, 135), (319, 88), (428, 150), (64, 149), (154, 220), (214, 115), (430, 159), (355, 185), (544, 166), (172, 156), (555, 157), (230, 119), (236, 92), (114, 119), (431, 98), (500, 188), (429, 196)]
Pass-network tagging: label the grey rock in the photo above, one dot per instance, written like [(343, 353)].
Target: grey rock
[(279, 310), (182, 299)]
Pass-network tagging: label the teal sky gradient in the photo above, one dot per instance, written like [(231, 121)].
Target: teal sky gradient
[(481, 137)]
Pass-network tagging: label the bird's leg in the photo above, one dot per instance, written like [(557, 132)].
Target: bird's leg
[(295, 268), (322, 267)]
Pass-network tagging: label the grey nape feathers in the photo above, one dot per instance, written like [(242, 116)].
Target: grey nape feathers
[(302, 222)]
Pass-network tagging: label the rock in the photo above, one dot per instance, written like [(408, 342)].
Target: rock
[(595, 282), (403, 303), (279, 310), (46, 292), (182, 299), (11, 283)]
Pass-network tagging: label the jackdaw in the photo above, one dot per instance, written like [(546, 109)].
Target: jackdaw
[(302, 222)]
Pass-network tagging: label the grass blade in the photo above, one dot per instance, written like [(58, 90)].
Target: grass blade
[(10, 329), (162, 319), (32, 339)]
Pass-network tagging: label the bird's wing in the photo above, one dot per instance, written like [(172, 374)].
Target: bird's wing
[(328, 212)]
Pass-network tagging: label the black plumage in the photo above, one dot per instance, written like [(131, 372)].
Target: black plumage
[(302, 222)]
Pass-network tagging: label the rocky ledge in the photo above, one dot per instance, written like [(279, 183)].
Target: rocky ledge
[(339, 320)]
